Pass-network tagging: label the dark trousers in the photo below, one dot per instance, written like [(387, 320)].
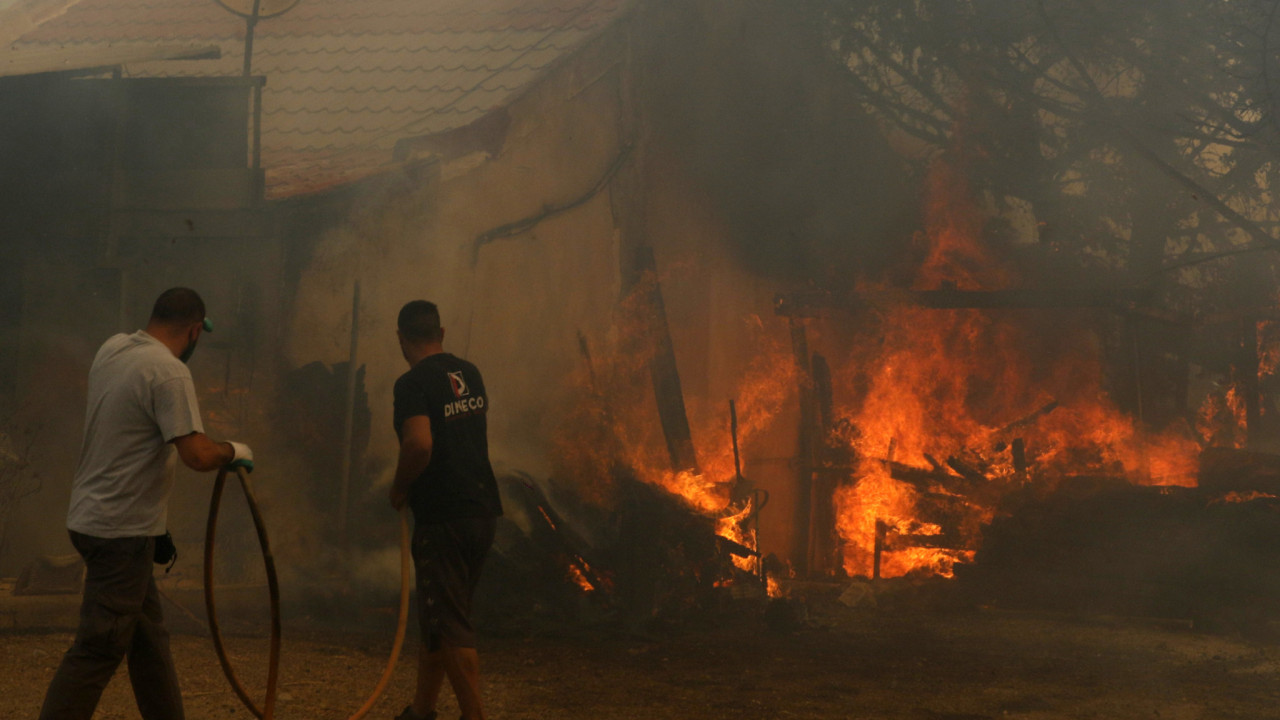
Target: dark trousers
[(120, 617), (448, 558)]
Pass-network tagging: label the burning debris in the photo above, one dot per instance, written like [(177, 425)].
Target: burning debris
[(926, 415), (1103, 545), (956, 393), (650, 558)]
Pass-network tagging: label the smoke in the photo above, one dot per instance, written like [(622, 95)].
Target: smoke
[(809, 187)]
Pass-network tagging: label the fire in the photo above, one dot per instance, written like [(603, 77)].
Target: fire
[(1223, 417), (767, 385), (579, 577), (947, 393), (733, 528), (1268, 348), (1236, 496), (1222, 420), (937, 415), (614, 432), (547, 517)]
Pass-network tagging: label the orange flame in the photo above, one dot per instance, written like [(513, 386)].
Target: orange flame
[(1236, 496), (954, 384), (621, 412), (578, 576)]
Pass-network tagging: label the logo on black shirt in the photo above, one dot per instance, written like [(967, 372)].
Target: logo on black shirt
[(467, 406), (459, 383)]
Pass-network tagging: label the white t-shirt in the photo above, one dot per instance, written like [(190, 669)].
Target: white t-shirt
[(140, 398)]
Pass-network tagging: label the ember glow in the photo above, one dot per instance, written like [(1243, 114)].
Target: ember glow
[(579, 577), (1242, 497)]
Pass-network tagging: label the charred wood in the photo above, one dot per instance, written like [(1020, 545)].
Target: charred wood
[(1019, 451), (1224, 470), (735, 548), (897, 541), (924, 479), (823, 393), (967, 471), (662, 368), (805, 455), (1030, 419), (1105, 546)]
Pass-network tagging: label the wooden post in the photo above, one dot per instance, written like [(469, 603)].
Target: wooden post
[(1019, 450), (881, 531), (803, 515), (733, 433), (822, 511), (630, 211), (665, 375)]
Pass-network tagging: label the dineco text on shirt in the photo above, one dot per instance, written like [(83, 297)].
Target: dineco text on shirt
[(140, 398), (458, 482)]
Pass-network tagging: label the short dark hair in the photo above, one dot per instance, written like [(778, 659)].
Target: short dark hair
[(419, 321), (178, 306)]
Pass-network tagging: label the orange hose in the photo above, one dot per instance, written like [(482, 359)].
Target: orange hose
[(273, 588), (401, 624)]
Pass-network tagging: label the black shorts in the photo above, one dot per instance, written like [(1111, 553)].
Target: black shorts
[(447, 558)]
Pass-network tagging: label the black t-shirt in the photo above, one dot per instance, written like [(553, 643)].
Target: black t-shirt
[(458, 482)]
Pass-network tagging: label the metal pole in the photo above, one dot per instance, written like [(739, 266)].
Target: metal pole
[(250, 24), (348, 427)]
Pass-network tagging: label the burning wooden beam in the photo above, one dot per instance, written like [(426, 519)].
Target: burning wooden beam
[(665, 375), (824, 544)]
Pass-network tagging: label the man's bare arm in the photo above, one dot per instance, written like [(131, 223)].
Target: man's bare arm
[(415, 455), (201, 454)]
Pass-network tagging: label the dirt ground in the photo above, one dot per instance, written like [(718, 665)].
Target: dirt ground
[(881, 663)]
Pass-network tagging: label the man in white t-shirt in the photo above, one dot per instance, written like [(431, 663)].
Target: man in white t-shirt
[(141, 407)]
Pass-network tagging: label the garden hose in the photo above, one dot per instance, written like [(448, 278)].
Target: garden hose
[(267, 711)]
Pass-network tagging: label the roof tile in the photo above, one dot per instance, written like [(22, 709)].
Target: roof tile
[(346, 80)]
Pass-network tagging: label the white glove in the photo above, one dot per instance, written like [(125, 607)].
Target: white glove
[(242, 457)]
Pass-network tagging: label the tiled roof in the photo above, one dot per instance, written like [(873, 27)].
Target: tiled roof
[(346, 79), (56, 59)]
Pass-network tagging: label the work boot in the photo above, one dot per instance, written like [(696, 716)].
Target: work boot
[(409, 714)]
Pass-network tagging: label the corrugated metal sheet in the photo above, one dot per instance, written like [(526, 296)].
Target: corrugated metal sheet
[(346, 80)]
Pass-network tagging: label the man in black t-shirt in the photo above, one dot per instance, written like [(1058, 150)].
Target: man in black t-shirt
[(444, 475)]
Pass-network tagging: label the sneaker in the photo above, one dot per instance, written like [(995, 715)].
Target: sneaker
[(409, 714)]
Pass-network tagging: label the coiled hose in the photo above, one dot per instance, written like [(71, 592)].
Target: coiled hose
[(267, 711)]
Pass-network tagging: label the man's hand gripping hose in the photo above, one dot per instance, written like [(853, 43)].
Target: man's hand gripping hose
[(267, 711), (241, 456)]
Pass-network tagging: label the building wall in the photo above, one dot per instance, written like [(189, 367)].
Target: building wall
[(755, 176), (86, 252)]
